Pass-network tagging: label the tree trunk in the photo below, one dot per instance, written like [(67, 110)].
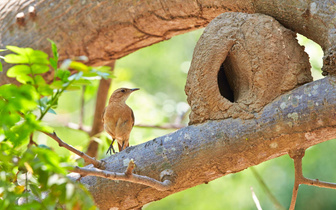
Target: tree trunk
[(107, 30)]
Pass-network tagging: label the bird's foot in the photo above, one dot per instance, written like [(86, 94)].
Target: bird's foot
[(110, 149)]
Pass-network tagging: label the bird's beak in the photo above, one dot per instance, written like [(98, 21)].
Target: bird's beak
[(134, 89)]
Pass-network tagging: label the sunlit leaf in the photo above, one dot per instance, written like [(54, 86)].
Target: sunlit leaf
[(79, 66), (19, 189), (45, 90), (12, 58), (39, 68), (53, 48), (0, 67), (28, 167), (18, 70), (38, 57), (73, 88), (25, 79), (18, 50), (56, 85)]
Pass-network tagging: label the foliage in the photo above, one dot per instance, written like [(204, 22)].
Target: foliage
[(30, 174)]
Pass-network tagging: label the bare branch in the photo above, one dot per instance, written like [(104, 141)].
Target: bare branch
[(128, 176), (297, 156), (87, 159)]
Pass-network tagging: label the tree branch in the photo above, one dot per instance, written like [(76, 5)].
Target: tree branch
[(115, 38), (129, 176), (87, 159), (200, 153), (297, 156)]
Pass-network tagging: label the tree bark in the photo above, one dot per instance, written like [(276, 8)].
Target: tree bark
[(107, 30), (200, 153)]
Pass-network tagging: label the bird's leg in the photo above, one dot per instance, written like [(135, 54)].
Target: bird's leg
[(121, 148), (111, 147)]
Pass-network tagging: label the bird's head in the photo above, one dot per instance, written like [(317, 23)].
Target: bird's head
[(121, 94)]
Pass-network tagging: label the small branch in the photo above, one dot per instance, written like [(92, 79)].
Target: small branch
[(127, 176), (297, 156), (87, 159)]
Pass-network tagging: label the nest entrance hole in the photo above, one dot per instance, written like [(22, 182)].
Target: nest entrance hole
[(224, 85)]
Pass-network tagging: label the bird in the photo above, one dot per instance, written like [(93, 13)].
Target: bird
[(118, 118)]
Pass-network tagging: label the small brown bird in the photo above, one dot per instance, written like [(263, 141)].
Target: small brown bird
[(118, 118)]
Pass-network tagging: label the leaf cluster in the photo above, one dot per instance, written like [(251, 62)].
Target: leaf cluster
[(33, 175)]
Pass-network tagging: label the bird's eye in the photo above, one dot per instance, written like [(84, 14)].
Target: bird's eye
[(122, 90)]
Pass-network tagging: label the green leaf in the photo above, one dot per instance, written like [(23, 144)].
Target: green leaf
[(39, 68), (53, 62), (54, 49), (45, 90), (79, 66), (0, 67), (25, 79), (73, 87), (63, 74), (18, 70), (12, 58), (56, 85), (37, 57), (18, 50)]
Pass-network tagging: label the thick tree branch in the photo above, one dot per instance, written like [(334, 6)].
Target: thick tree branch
[(87, 159), (128, 176), (200, 153), (127, 25)]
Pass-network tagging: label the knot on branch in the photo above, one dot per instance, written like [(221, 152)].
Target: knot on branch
[(297, 153), (241, 63)]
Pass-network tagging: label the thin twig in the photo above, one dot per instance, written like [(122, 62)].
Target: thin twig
[(134, 178), (266, 189), (87, 159), (297, 156)]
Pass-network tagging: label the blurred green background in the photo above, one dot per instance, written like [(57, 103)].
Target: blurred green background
[(160, 71)]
